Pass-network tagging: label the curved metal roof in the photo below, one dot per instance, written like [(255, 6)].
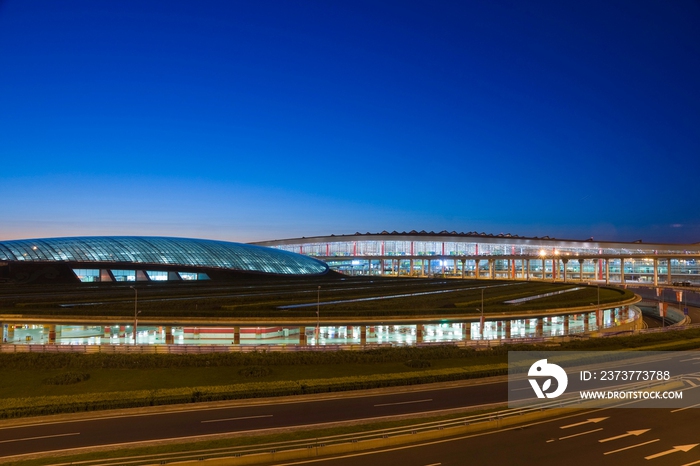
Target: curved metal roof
[(162, 250)]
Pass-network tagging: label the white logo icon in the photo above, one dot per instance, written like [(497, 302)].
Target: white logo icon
[(542, 369)]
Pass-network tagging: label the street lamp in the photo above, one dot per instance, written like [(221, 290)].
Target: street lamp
[(481, 320), (136, 311), (318, 314)]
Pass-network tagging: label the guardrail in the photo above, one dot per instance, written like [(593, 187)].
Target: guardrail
[(204, 349)]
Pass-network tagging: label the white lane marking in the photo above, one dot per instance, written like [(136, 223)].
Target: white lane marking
[(237, 418), (687, 407), (581, 433), (636, 433), (633, 446), (404, 402), (38, 438), (677, 448), (587, 421)]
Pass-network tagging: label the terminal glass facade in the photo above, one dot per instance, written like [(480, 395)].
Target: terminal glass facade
[(160, 250), (502, 256)]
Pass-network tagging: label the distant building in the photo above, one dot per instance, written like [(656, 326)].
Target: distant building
[(118, 259), (507, 256), (446, 254)]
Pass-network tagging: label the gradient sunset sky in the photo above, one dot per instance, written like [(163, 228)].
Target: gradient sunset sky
[(261, 120)]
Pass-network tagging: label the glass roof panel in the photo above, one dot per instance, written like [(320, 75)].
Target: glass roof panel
[(162, 250)]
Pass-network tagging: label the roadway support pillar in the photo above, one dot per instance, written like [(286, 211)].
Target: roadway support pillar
[(507, 335), (363, 335), (419, 333), (539, 327), (236, 335), (580, 270), (527, 269), (565, 261), (302, 336), (492, 275), (622, 270), (607, 271), (477, 274), (410, 271), (669, 279), (565, 329), (586, 321), (52, 334), (595, 269), (464, 267), (656, 272), (544, 269), (466, 331), (169, 338)]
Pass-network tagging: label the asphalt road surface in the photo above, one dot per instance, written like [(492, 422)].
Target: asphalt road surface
[(653, 437)]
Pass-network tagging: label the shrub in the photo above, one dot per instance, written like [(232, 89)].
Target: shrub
[(67, 378), (255, 371), (418, 363)]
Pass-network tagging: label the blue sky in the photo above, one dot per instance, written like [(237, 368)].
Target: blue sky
[(249, 121)]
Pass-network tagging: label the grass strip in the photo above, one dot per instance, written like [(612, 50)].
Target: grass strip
[(45, 405)]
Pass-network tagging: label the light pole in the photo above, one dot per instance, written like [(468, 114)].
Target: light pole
[(481, 320), (136, 311), (318, 314)]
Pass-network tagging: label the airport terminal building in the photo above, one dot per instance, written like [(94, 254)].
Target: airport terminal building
[(480, 255), (448, 254), (123, 259)]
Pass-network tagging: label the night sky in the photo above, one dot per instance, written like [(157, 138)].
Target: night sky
[(260, 120)]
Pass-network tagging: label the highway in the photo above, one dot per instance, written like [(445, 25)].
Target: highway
[(654, 437), (212, 419), (80, 431)]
